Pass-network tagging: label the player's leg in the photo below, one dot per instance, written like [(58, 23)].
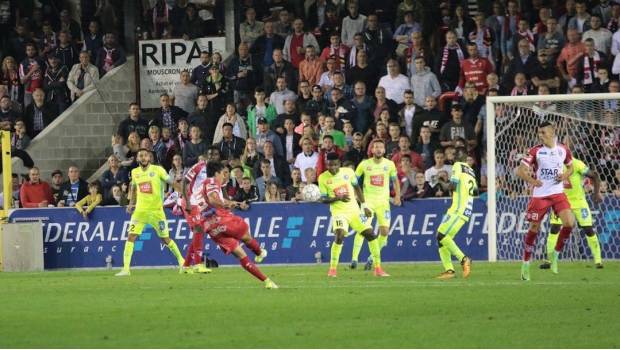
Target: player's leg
[(196, 248), (552, 238), (252, 243), (568, 221), (358, 242), (445, 238), (536, 211), (159, 222), (375, 251), (584, 220), (383, 221), (247, 264), (594, 244), (136, 226)]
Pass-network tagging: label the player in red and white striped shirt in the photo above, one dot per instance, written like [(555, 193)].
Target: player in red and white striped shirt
[(546, 161), (226, 229)]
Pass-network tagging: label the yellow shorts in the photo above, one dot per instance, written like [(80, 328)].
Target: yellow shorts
[(356, 221), (451, 224), (583, 216), (155, 218), (382, 212)]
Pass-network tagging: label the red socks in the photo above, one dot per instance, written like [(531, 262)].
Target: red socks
[(254, 246), (563, 238), (530, 242), (189, 256), (251, 268), (198, 245)]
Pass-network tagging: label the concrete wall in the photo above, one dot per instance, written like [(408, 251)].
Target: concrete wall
[(82, 134)]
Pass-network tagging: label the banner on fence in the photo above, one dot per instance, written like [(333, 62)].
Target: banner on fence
[(161, 62), (292, 233)]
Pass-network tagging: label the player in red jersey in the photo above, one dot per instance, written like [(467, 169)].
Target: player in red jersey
[(225, 228), (192, 194), (546, 162)]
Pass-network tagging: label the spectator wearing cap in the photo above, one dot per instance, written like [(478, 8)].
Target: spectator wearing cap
[(231, 116), (110, 56), (280, 95), (260, 109), (231, 146), (185, 94), (243, 73), (424, 82), (55, 184), (250, 29), (279, 68), (317, 103), (35, 193), (394, 83), (66, 51), (546, 72), (39, 114), (307, 158), (264, 46), (73, 190), (264, 135), (55, 84), (296, 43), (336, 50), (82, 77), (457, 128), (133, 122), (311, 67)]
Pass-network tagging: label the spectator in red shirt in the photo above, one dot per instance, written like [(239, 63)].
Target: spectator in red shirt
[(327, 147), (35, 193), (475, 69), (404, 145), (569, 57)]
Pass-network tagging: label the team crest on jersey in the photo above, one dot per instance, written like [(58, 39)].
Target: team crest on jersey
[(329, 182), (151, 174), (346, 177), (369, 168), (385, 168)]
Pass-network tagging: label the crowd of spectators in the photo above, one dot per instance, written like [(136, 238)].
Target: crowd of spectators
[(332, 76)]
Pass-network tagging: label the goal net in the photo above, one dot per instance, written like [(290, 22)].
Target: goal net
[(589, 124)]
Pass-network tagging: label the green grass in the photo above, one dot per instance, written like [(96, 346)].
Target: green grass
[(579, 308)]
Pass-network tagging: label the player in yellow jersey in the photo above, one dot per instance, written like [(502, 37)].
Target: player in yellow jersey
[(377, 172), (464, 188), (147, 195), (339, 189), (573, 188)]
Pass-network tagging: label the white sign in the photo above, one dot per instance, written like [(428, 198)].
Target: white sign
[(161, 63)]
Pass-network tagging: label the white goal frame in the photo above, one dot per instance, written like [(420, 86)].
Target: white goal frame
[(491, 160)]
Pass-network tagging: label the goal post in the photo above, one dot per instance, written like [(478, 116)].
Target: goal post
[(7, 182), (590, 124)]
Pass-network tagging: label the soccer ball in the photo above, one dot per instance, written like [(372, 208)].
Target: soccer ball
[(311, 193)]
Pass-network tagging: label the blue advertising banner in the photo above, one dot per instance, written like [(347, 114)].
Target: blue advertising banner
[(292, 233)]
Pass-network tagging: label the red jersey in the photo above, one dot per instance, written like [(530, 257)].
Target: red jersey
[(476, 71), (209, 186), (547, 163)]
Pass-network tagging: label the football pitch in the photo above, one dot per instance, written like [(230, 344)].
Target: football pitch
[(579, 308)]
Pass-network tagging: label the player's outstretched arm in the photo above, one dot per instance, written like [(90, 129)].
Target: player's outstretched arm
[(132, 198)]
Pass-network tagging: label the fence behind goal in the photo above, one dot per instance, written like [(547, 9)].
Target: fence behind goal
[(589, 124)]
